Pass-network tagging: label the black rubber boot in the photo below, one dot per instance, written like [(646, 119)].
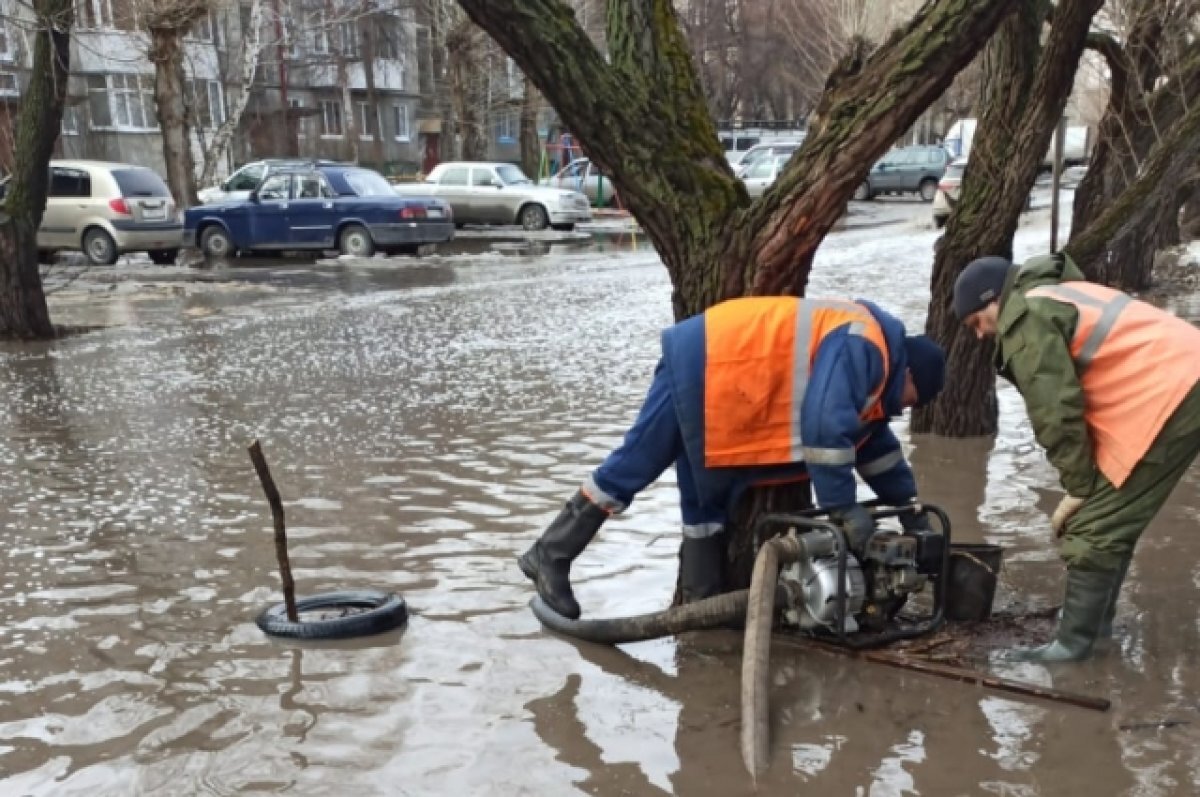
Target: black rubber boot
[(702, 567), (548, 563), (1088, 596)]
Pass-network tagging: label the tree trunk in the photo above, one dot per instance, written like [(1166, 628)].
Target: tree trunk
[(642, 117), (1111, 242), (23, 310), (167, 54), (440, 24), (531, 142), (368, 65), (349, 122), (1026, 90), (251, 52), (466, 74), (1136, 119)]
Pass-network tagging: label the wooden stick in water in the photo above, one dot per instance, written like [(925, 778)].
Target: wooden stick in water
[(281, 553)]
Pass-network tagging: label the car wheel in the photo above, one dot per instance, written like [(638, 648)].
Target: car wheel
[(99, 247), (928, 189), (163, 257), (863, 192), (215, 242), (356, 241), (533, 217)]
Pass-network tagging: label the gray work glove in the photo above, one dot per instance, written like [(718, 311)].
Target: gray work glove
[(857, 522)]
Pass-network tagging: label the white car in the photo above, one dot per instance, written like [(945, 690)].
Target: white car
[(500, 193), (949, 188), (761, 174), (249, 177)]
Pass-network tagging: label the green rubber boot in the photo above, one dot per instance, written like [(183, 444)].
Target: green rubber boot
[(1106, 625), (1089, 595)]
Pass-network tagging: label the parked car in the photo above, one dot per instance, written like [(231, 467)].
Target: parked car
[(906, 170), (585, 177), (759, 177), (107, 210), (949, 190), (766, 151), (247, 178), (326, 207), (500, 193)]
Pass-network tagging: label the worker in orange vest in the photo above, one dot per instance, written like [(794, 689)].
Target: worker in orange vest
[(756, 389), (1112, 388)]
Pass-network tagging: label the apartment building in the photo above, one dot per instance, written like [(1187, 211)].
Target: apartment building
[(334, 78)]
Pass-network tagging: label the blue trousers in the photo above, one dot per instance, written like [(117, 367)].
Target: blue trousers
[(652, 445)]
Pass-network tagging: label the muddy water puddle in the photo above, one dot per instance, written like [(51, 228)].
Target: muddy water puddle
[(424, 421)]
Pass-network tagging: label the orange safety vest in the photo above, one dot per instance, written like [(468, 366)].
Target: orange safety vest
[(1136, 365), (759, 353)]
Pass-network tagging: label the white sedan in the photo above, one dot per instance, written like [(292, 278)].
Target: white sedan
[(759, 176)]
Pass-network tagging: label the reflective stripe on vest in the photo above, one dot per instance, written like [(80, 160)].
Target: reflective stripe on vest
[(759, 353), (1135, 363)]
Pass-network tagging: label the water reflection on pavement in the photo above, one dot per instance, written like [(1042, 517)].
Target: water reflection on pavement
[(424, 418)]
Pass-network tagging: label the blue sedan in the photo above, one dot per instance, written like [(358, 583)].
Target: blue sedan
[(323, 207)]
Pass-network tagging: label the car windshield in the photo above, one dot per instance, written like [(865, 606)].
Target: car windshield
[(367, 183), (140, 182), (512, 175)]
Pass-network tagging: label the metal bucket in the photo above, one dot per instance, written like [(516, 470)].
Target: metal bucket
[(974, 571)]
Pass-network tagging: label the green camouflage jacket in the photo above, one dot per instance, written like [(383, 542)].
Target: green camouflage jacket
[(1033, 352)]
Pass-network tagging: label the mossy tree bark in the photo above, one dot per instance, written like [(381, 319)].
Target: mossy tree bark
[(642, 117), (1027, 82), (1143, 110), (23, 310)]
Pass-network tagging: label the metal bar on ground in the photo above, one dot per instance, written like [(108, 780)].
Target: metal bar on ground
[(962, 674)]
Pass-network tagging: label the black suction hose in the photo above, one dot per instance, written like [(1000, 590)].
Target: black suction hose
[(720, 610)]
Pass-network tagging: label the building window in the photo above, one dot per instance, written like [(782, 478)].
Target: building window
[(386, 39), (8, 85), (401, 117), (6, 49), (347, 39), (301, 120), (70, 121), (208, 103), (320, 35), (122, 102), (368, 122), (506, 128), (207, 29), (95, 14), (331, 119)]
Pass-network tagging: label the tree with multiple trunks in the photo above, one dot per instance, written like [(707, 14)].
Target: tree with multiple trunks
[(639, 111), (1029, 70)]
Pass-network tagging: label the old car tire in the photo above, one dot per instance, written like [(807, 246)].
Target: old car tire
[(384, 612), (356, 241), (99, 247), (533, 217), (163, 257), (928, 189), (215, 242), (863, 192)]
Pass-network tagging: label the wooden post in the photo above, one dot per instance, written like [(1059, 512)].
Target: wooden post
[(272, 493)]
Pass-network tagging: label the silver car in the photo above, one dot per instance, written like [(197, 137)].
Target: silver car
[(584, 176), (761, 174), (500, 193), (108, 209)]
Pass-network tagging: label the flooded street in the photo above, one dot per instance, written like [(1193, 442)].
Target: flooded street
[(424, 419)]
